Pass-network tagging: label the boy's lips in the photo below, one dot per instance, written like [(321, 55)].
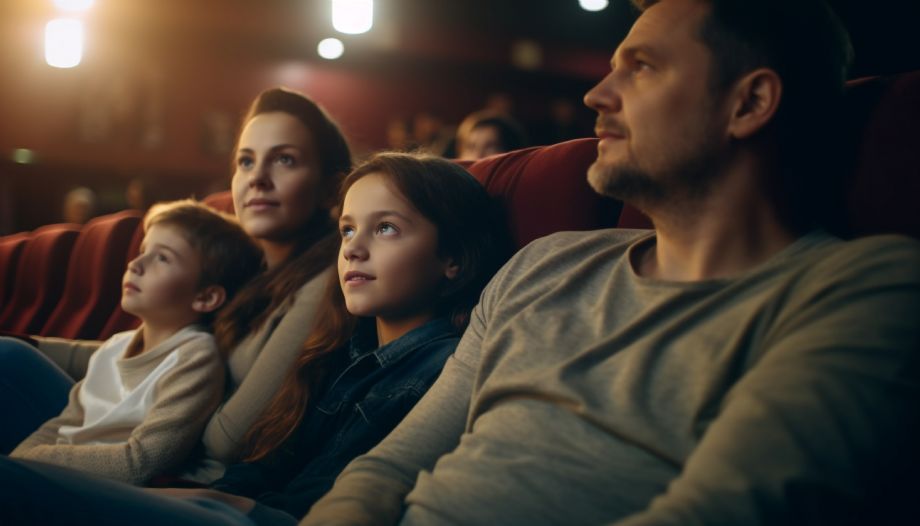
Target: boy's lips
[(131, 286)]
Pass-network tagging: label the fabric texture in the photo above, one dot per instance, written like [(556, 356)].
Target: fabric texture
[(368, 394), (583, 393), (132, 418)]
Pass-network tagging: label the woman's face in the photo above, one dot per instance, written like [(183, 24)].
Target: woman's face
[(388, 261), (277, 186)]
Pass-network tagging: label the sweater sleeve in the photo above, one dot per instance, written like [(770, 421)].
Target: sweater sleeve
[(70, 355), (373, 487), (826, 420), (185, 397), (223, 436)]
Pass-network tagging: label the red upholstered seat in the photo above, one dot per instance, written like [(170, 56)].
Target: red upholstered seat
[(884, 115), (10, 253), (222, 201), (544, 189), (39, 278), (119, 320), (93, 286)]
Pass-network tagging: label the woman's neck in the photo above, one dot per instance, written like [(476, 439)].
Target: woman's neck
[(276, 253)]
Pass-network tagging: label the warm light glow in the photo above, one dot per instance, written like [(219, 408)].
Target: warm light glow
[(352, 16), (23, 156), (330, 48), (63, 43), (593, 5), (73, 5)]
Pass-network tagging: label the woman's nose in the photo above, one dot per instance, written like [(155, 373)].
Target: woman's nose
[(260, 175)]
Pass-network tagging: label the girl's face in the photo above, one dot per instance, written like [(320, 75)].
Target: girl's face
[(277, 186), (388, 261)]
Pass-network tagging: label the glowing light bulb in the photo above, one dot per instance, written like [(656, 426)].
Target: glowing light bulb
[(330, 48), (352, 17), (593, 5), (73, 5), (64, 43)]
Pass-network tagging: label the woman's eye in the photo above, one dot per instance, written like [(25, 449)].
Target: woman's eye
[(244, 162), (387, 229), (286, 160), (347, 232)]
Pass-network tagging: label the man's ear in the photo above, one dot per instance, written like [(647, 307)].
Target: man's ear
[(209, 298), (756, 97), (451, 269)]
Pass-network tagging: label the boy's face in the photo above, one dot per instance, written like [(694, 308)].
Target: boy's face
[(161, 284)]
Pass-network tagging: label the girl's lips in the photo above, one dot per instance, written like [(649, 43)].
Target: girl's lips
[(353, 276)]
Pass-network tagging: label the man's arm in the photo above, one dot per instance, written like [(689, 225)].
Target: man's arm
[(821, 425)]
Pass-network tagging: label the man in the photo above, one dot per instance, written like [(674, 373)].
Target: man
[(735, 366)]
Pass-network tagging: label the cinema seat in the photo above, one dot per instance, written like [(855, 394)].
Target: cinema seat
[(39, 278), (10, 253), (93, 286), (120, 320)]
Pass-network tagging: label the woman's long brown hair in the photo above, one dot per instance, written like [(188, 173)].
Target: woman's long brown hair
[(469, 231), (317, 242)]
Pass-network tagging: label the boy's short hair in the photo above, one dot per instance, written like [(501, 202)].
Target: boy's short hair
[(229, 257)]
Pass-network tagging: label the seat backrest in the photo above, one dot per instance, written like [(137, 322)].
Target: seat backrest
[(119, 320), (39, 278), (10, 253), (93, 286), (544, 189), (883, 116)]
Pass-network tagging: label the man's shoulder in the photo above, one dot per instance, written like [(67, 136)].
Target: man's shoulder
[(579, 242), (875, 254)]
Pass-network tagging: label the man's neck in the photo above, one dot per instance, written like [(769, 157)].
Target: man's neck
[(732, 229)]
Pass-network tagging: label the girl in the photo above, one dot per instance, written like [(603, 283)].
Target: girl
[(417, 246), (289, 161)]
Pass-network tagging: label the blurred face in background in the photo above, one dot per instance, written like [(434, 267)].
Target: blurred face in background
[(481, 141)]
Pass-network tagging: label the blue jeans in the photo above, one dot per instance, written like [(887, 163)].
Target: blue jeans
[(33, 390), (35, 493)]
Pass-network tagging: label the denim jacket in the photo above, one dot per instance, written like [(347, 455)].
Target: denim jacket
[(362, 402)]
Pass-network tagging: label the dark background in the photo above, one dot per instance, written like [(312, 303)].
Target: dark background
[(163, 83)]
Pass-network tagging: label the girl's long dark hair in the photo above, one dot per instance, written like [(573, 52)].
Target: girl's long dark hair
[(470, 232), (317, 242)]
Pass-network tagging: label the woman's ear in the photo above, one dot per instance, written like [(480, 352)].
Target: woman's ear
[(209, 299), (451, 269)]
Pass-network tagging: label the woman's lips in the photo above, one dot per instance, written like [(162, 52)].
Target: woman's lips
[(260, 204)]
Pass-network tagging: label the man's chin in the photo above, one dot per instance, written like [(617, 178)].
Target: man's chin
[(626, 183)]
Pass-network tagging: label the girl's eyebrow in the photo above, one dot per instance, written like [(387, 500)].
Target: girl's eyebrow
[(379, 214)]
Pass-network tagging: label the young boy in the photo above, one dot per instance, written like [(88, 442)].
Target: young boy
[(148, 393)]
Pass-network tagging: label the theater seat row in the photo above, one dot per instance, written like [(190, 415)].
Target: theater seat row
[(65, 280)]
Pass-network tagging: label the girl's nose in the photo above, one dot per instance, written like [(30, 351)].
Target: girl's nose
[(354, 249)]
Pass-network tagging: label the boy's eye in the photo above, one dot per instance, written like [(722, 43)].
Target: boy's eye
[(347, 232), (162, 257), (387, 229)]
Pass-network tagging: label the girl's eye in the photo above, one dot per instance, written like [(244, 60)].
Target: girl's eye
[(244, 162), (347, 232), (162, 258), (387, 229)]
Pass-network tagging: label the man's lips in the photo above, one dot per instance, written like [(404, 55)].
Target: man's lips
[(353, 276)]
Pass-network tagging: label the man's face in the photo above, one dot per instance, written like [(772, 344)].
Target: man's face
[(661, 127)]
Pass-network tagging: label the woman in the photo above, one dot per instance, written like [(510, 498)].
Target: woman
[(289, 161)]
